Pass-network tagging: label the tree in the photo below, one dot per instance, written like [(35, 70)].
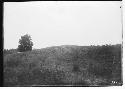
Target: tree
[(25, 43)]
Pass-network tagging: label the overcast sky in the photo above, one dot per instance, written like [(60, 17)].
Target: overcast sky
[(62, 23)]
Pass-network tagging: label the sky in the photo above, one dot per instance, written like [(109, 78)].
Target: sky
[(57, 23)]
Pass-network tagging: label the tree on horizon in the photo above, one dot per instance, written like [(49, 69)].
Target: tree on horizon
[(25, 43)]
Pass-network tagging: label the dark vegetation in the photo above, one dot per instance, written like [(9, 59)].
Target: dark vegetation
[(9, 51), (64, 65), (25, 43)]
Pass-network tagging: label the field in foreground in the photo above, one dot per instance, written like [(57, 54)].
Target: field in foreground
[(65, 65)]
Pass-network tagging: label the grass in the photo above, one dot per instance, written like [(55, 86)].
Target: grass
[(65, 65)]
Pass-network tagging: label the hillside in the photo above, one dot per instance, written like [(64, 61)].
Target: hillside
[(65, 65)]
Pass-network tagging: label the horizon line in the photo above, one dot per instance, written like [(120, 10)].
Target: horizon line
[(70, 45)]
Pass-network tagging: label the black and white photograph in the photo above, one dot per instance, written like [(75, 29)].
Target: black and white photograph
[(62, 43)]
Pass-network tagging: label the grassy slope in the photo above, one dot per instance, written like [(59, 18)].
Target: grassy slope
[(64, 65)]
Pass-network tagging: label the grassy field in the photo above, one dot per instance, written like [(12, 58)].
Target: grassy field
[(65, 65)]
